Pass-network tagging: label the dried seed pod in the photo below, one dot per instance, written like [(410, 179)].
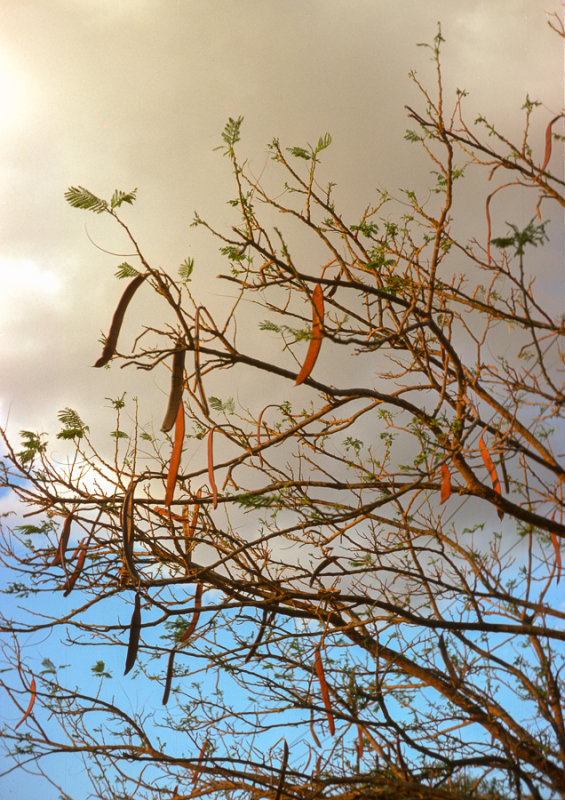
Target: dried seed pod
[(360, 741), (164, 512), (134, 631), (63, 541), (492, 470), (128, 531), (548, 141), (175, 457), (175, 395), (324, 688), (169, 678), (317, 334), (211, 468), (445, 483), (197, 375), (259, 419), (196, 613), (30, 706), (117, 319), (260, 634), (557, 548), (196, 770), (72, 579), (283, 771)]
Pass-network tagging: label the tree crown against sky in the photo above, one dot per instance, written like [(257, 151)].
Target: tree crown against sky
[(335, 571)]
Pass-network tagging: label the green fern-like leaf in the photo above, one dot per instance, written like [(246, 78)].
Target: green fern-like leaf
[(300, 152), (79, 197), (267, 325), (323, 142), (218, 405), (120, 197), (230, 135), (33, 445), (126, 270), (74, 426), (185, 269)]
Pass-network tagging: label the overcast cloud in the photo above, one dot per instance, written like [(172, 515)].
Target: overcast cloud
[(124, 93)]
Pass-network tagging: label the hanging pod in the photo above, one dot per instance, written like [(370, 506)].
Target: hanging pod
[(72, 579), (196, 613), (117, 319), (175, 395), (324, 688), (31, 702), (63, 541), (128, 531), (445, 483), (317, 334), (134, 631), (492, 470), (283, 771), (213, 486), (169, 678), (175, 457)]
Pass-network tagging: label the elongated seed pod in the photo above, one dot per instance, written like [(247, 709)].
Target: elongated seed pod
[(492, 470), (196, 613), (169, 678), (548, 141), (63, 541), (312, 731), (164, 512), (259, 419), (72, 579), (128, 531), (175, 395), (360, 742), (211, 468), (321, 566), (198, 767), (557, 548), (324, 689), (197, 375), (117, 319), (445, 483), (317, 334), (283, 771), (175, 457), (259, 637), (134, 631), (30, 706)]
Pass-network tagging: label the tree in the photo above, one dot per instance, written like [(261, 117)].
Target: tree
[(352, 589)]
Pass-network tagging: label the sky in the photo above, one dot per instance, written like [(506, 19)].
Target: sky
[(135, 93)]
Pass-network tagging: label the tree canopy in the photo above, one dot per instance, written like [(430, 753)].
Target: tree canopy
[(335, 570)]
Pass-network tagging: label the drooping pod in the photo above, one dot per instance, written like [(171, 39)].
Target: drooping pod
[(134, 631), (445, 483), (175, 395), (117, 319), (283, 771), (213, 486), (59, 557), (195, 615), (31, 703), (72, 579), (128, 531), (175, 457), (317, 334), (324, 689), (492, 471), (169, 678)]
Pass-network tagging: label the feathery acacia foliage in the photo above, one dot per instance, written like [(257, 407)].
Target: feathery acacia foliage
[(355, 592)]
